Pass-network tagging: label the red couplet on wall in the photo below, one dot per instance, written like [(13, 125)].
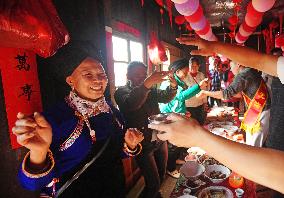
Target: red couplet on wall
[(20, 84)]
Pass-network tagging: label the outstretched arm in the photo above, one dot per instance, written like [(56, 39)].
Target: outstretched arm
[(261, 165), (242, 55)]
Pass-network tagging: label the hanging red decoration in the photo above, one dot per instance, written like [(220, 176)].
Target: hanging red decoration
[(269, 44), (232, 27), (205, 30), (195, 16), (248, 28), (231, 34), (253, 12), (156, 50), (179, 19), (237, 8), (162, 12), (237, 1), (233, 20), (160, 2), (279, 41), (142, 3), (169, 5)]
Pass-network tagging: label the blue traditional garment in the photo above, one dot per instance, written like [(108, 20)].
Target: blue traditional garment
[(72, 146)]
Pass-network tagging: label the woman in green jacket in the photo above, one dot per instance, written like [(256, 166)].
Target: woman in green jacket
[(177, 105)]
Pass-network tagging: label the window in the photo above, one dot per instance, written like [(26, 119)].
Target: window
[(166, 64), (124, 51)]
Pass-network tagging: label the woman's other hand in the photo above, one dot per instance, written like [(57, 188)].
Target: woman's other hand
[(133, 137)]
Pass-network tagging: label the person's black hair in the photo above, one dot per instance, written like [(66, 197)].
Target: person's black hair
[(70, 56), (179, 64), (276, 51), (134, 64), (194, 59)]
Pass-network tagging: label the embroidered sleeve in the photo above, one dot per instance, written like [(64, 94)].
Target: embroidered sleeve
[(45, 171)]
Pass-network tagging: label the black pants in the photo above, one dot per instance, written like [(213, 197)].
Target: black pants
[(197, 113), (174, 153), (152, 161)]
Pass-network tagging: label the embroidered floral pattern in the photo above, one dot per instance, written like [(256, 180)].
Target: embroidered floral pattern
[(85, 107), (74, 135)]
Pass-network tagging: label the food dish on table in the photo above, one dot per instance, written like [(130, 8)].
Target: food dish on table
[(215, 192), (217, 173)]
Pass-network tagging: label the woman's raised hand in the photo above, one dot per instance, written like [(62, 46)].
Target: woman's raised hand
[(33, 132)]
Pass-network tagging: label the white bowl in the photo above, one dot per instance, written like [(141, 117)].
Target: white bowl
[(215, 167), (196, 151), (191, 169)]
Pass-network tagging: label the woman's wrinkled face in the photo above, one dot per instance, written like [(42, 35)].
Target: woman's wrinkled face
[(194, 67), (89, 79), (182, 73)]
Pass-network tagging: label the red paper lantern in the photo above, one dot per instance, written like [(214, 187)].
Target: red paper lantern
[(253, 12), (205, 30), (208, 35), (252, 20), (279, 41), (233, 20), (179, 19), (232, 27), (156, 50), (240, 39), (195, 16), (263, 5), (243, 32), (248, 28)]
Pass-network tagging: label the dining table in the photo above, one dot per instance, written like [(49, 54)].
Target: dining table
[(215, 118)]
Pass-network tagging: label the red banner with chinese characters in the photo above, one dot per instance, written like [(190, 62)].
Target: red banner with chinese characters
[(20, 84)]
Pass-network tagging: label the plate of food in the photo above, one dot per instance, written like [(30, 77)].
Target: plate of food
[(218, 131), (207, 160), (194, 184), (217, 173), (216, 192), (230, 129)]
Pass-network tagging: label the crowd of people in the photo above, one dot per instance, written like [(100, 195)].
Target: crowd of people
[(82, 140)]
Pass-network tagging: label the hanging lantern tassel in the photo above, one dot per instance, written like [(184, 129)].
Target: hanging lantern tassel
[(169, 4), (162, 12), (142, 3), (280, 22)]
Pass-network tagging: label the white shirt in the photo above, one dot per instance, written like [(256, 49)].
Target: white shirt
[(190, 81), (280, 69)]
